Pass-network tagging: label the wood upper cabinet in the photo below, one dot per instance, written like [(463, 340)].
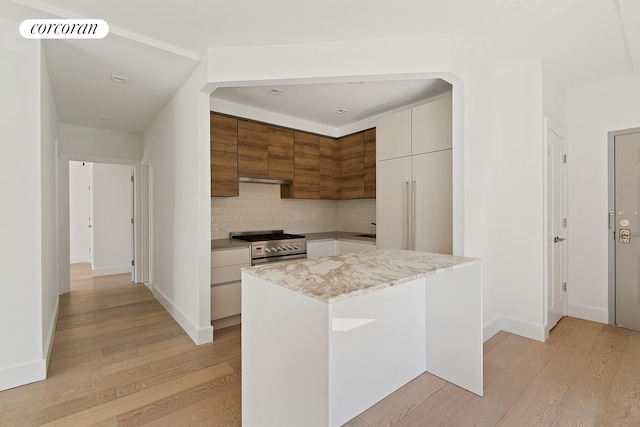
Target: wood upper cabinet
[(280, 153), (370, 163), (306, 164), (352, 148), (252, 149), (224, 156), (330, 169)]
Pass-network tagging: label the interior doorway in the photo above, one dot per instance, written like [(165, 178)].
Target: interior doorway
[(624, 228), (101, 221), (555, 224)]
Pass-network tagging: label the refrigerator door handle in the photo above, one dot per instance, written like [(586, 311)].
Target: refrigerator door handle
[(407, 240), (413, 215)]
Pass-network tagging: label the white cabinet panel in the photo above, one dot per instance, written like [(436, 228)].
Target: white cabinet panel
[(393, 136), (226, 257), (393, 177), (229, 273), (225, 300), (352, 247), (431, 126), (433, 226), (320, 249)]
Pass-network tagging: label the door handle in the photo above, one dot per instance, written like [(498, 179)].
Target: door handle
[(558, 239), (89, 225)]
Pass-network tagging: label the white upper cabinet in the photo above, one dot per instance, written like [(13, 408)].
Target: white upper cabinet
[(431, 126), (393, 136)]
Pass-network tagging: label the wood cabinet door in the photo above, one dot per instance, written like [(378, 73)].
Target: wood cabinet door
[(393, 136), (431, 126), (224, 156), (330, 187), (280, 153), (306, 164), (252, 149), (352, 148), (370, 163)]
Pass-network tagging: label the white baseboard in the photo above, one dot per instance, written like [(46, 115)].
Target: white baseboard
[(51, 332), (79, 259), (25, 373), (524, 329), (107, 271), (197, 335), (589, 313), (490, 329)]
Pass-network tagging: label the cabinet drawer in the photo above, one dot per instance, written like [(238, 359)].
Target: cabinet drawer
[(230, 257), (225, 300), (227, 273)]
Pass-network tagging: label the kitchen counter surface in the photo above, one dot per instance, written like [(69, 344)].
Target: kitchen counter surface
[(332, 279), (221, 244)]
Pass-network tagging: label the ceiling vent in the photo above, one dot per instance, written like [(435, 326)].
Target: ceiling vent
[(118, 79)]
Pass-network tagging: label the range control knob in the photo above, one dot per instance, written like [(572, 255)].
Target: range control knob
[(267, 250)]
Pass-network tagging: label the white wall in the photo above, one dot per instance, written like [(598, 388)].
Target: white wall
[(177, 142), (112, 236), (79, 211), (591, 112), (29, 128), (519, 211), (81, 140), (48, 196)]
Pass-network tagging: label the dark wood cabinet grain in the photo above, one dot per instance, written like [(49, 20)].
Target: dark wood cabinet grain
[(224, 156)]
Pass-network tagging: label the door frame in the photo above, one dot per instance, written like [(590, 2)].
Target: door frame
[(611, 200), (551, 125)]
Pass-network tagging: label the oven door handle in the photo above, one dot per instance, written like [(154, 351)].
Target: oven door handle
[(267, 260)]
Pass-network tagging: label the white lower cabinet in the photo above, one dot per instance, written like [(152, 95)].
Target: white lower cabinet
[(320, 248), (226, 267)]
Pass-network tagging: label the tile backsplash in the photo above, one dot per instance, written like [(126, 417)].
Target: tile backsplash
[(259, 207)]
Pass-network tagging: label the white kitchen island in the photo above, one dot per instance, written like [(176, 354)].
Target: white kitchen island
[(325, 339)]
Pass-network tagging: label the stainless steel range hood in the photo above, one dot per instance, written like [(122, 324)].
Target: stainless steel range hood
[(265, 180)]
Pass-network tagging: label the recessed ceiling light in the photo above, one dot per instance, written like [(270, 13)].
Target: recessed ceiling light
[(340, 111), (118, 79), (106, 119), (275, 91), (356, 83)]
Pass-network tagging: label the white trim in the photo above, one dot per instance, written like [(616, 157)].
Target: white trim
[(524, 329), (79, 259), (25, 373), (48, 347), (197, 335), (111, 270), (490, 329), (589, 313)]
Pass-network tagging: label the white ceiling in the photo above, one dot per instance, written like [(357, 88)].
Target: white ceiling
[(156, 45)]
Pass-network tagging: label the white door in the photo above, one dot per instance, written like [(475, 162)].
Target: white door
[(556, 225), (627, 230), (433, 200), (392, 199)]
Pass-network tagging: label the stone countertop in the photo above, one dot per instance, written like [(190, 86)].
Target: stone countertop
[(222, 244), (332, 279)]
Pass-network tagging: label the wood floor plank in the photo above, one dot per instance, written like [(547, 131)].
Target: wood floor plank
[(205, 410), (623, 404), (586, 398), (395, 407), (537, 406), (506, 350), (439, 409), (145, 397)]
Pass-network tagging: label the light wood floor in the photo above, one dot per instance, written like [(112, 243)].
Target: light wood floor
[(119, 359)]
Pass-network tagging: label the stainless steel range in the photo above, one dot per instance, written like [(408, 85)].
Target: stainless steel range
[(273, 245)]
